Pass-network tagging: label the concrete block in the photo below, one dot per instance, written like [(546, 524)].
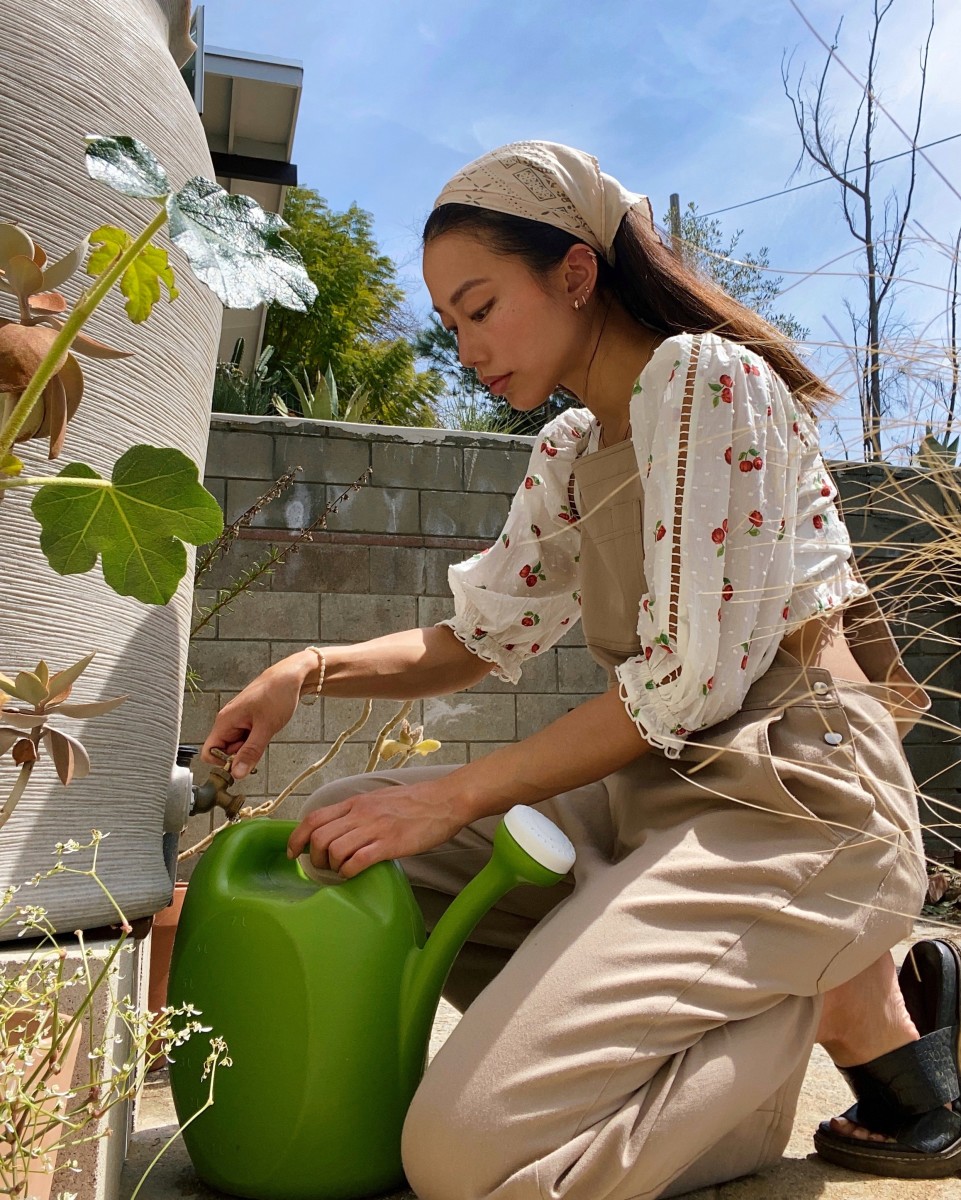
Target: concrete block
[(199, 713), (494, 470), (242, 556), (934, 766), (298, 507), (453, 514), (357, 618), (228, 666), (938, 813), (377, 510), (306, 725), (536, 712), (397, 571), (945, 706), (217, 489), (573, 637), (451, 754), (203, 598), (288, 760), (324, 568), (417, 465), (431, 609), (469, 717), (321, 459), (339, 714), (437, 563), (933, 634), (264, 614), (578, 672), (240, 455), (538, 674)]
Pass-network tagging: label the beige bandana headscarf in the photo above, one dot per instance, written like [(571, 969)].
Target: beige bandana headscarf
[(545, 181)]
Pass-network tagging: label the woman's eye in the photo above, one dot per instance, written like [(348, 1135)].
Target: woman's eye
[(482, 312)]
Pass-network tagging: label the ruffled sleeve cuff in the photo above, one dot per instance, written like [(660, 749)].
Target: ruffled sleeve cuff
[(467, 628), (636, 684), (823, 595)]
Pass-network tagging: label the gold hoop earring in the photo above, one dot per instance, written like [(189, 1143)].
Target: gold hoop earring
[(577, 304)]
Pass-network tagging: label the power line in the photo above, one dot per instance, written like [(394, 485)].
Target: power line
[(825, 178)]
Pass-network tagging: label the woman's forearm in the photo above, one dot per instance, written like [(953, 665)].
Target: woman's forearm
[(399, 666), (584, 745)]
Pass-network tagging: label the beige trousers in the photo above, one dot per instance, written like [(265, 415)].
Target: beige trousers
[(643, 1029), (651, 1032)]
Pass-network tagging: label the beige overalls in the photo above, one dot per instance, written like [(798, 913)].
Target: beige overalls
[(645, 1030)]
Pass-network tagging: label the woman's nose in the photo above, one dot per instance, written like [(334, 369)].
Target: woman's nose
[(467, 350)]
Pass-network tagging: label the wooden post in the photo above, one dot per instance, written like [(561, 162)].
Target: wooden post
[(675, 218)]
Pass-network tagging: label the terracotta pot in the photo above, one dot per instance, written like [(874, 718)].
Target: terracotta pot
[(39, 1183), (72, 68), (161, 948)]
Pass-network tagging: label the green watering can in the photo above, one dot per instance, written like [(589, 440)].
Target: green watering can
[(325, 994)]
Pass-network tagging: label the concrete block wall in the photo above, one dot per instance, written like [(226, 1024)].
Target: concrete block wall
[(435, 497), (905, 526)]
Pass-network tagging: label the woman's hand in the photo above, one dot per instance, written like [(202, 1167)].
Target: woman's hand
[(246, 724), (391, 822)]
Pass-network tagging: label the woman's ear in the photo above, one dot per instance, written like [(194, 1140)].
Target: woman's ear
[(580, 274)]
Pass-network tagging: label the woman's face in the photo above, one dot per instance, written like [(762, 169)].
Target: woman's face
[(514, 328)]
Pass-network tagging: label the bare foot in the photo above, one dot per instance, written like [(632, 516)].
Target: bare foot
[(861, 1020)]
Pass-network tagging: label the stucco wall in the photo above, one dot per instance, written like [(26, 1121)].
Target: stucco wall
[(435, 498)]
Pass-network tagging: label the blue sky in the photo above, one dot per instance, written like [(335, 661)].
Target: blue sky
[(685, 97)]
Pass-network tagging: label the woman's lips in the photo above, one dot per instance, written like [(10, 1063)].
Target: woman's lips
[(498, 384)]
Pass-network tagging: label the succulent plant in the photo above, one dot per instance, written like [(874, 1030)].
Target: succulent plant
[(22, 729), (24, 274)]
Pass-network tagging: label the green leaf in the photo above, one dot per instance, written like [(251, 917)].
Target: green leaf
[(127, 166), (235, 248), (14, 240), (110, 243), (10, 465), (64, 680), (138, 523), (30, 688), (141, 281)]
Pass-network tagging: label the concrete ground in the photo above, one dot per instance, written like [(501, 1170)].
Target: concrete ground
[(800, 1175)]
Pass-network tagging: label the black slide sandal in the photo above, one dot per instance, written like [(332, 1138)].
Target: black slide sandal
[(903, 1094)]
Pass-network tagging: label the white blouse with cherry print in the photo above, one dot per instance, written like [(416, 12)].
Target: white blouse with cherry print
[(741, 539)]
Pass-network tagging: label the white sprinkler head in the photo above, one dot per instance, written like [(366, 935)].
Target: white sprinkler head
[(540, 838)]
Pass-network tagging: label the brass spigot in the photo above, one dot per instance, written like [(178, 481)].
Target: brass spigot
[(215, 793)]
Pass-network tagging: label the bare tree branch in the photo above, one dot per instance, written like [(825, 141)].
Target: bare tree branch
[(880, 230), (899, 239)]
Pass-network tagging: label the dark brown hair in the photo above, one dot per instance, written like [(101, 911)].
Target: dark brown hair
[(651, 282)]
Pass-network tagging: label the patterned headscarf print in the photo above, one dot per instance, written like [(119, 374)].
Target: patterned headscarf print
[(545, 181)]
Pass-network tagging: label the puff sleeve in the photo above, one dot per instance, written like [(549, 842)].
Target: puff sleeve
[(516, 599), (718, 447)]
